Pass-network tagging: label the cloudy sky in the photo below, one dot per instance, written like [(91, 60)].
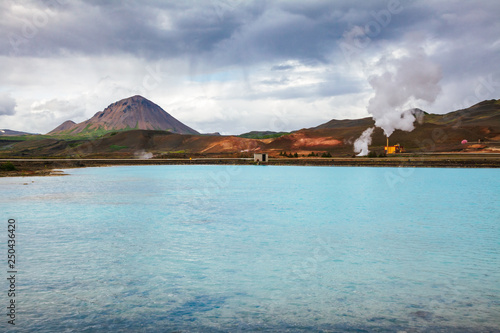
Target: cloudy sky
[(232, 66)]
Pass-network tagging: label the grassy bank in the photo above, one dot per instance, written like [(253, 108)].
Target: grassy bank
[(45, 167)]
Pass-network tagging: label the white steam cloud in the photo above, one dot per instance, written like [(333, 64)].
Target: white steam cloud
[(142, 155), (408, 77), (361, 144)]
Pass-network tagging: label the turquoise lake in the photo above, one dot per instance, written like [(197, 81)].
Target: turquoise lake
[(255, 248)]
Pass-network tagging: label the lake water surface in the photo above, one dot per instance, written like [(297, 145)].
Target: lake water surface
[(249, 248)]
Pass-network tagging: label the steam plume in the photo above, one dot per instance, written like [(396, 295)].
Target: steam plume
[(408, 78), (143, 155), (361, 144)]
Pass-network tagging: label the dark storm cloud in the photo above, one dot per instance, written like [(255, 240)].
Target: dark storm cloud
[(225, 32), (147, 28), (281, 67), (313, 91), (465, 33), (331, 86), (289, 49), (228, 32)]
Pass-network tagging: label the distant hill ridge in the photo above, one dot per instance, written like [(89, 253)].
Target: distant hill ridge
[(8, 132), (366, 122), (135, 112), (478, 124)]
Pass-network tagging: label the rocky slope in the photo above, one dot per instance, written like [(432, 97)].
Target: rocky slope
[(135, 112)]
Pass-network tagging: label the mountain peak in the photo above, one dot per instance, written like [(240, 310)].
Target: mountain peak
[(135, 98), (135, 112), (63, 127)]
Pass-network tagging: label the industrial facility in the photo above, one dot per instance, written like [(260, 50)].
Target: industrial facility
[(396, 149)]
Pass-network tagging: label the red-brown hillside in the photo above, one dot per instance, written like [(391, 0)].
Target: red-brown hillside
[(67, 125), (479, 125)]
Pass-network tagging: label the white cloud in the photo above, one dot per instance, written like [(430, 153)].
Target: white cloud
[(7, 105), (229, 66)]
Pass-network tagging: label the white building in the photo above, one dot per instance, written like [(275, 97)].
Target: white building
[(260, 157)]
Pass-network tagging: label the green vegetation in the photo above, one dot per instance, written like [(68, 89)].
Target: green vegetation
[(431, 118), (284, 153), (86, 134), (75, 144), (374, 154), (325, 154), (8, 166), (93, 133), (19, 137), (73, 139), (312, 154), (262, 135), (117, 147)]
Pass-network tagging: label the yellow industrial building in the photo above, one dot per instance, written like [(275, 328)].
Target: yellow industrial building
[(396, 149)]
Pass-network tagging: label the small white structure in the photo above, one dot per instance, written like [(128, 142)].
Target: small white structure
[(260, 157)]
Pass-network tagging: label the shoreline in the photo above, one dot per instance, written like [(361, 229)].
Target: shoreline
[(49, 167)]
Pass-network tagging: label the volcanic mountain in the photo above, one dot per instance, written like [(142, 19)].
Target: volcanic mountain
[(135, 112)]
